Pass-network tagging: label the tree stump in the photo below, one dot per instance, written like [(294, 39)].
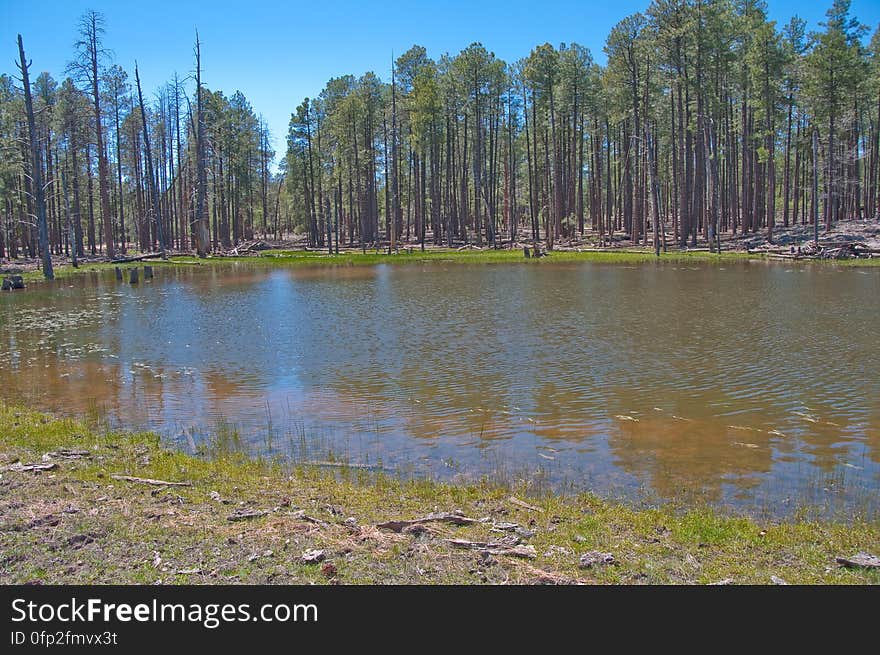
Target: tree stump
[(13, 282), (148, 272), (133, 276), (118, 274), (527, 253)]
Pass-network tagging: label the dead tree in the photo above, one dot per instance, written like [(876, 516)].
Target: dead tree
[(200, 222), (154, 192), (36, 167)]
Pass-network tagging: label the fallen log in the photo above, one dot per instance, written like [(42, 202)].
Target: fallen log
[(19, 467), (68, 453), (860, 561), (150, 481), (138, 258), (518, 550), (301, 514), (253, 246), (441, 517)]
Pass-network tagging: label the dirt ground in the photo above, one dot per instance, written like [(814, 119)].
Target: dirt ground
[(866, 232)]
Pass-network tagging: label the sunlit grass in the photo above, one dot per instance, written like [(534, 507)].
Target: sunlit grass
[(414, 256)]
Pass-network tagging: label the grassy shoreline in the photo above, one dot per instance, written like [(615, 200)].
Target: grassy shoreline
[(300, 258), (76, 523)]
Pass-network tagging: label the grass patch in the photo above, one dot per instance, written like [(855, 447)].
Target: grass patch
[(77, 524), (353, 257)]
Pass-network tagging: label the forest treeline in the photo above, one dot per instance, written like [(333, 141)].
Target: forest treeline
[(707, 119)]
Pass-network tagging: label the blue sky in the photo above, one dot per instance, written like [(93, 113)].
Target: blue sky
[(277, 53)]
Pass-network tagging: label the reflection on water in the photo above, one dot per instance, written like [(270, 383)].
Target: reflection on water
[(749, 384)]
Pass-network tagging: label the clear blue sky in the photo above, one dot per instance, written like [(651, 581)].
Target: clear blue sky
[(277, 53)]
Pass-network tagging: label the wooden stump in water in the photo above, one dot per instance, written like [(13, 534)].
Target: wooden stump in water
[(133, 275), (13, 282), (148, 272), (118, 273)]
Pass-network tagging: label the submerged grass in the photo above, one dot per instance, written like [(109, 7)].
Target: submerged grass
[(78, 524)]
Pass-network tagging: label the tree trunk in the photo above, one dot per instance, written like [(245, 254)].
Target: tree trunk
[(151, 180), (36, 167)]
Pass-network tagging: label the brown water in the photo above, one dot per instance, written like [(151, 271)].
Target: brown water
[(750, 385)]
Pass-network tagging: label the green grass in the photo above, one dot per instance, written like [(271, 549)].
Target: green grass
[(76, 524), (413, 256)]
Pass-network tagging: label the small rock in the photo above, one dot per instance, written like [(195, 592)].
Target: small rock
[(722, 583), (313, 556), (777, 580), (557, 550), (593, 557)]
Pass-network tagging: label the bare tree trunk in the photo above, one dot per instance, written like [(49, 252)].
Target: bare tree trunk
[(151, 180), (655, 188), (71, 231), (36, 167), (200, 222), (816, 187)]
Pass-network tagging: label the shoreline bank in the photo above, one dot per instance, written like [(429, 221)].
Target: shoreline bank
[(79, 504), (316, 258)]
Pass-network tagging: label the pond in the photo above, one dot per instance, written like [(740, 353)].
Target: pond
[(746, 385)]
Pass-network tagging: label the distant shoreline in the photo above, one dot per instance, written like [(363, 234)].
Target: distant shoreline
[(354, 257)]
